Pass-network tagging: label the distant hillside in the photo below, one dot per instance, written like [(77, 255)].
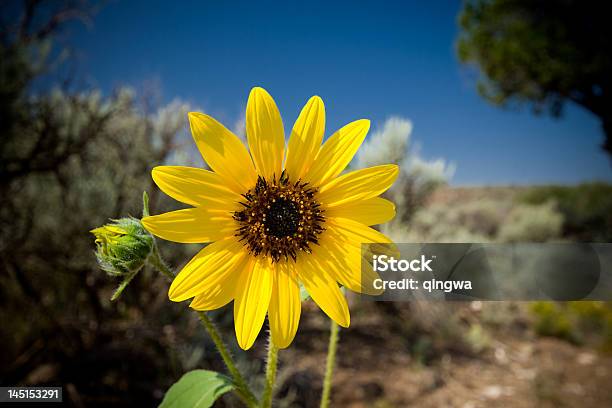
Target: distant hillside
[(586, 208), (448, 195)]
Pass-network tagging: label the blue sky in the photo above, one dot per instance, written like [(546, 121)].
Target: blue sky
[(365, 59)]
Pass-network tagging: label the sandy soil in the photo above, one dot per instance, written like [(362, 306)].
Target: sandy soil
[(375, 368)]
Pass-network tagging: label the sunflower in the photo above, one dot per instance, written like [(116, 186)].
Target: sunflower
[(276, 218)]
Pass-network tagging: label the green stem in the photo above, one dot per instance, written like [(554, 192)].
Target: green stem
[(242, 389), (158, 263), (329, 366), (272, 361)]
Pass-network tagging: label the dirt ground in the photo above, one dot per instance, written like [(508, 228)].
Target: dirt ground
[(376, 368)]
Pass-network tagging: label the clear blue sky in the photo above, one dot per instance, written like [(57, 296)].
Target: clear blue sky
[(365, 59)]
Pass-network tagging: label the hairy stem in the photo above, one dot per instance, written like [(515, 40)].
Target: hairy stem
[(158, 263), (272, 361), (242, 388), (329, 366)]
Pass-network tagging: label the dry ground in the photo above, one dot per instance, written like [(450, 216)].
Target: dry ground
[(377, 367)]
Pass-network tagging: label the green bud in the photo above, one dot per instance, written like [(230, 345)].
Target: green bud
[(123, 246)]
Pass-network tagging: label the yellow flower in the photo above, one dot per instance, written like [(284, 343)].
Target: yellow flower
[(277, 217)]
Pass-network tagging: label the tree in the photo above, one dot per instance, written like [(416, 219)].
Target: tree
[(542, 52), (68, 161)]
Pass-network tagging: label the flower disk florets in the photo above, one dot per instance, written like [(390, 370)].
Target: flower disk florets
[(280, 218)]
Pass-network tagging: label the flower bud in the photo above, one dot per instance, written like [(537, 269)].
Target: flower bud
[(122, 246)]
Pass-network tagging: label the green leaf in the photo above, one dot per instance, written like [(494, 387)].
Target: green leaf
[(145, 204), (126, 281), (197, 389), (304, 295)]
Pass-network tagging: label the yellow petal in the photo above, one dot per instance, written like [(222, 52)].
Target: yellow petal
[(337, 152), (323, 288), (355, 232), (191, 225), (195, 186), (347, 260), (372, 211), (306, 137), (285, 305), (252, 301), (212, 266), (223, 151), (265, 133), (358, 185), (219, 295)]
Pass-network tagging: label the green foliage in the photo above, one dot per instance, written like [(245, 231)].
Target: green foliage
[(586, 209), (541, 52), (478, 338), (197, 389), (595, 317), (576, 322), (552, 321)]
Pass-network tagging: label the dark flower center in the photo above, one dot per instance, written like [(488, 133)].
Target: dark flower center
[(280, 218)]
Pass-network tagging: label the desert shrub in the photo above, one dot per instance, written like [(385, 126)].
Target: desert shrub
[(586, 208), (594, 318), (69, 160), (418, 177), (78, 160), (577, 322), (532, 223), (478, 338), (470, 221), (551, 321)]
